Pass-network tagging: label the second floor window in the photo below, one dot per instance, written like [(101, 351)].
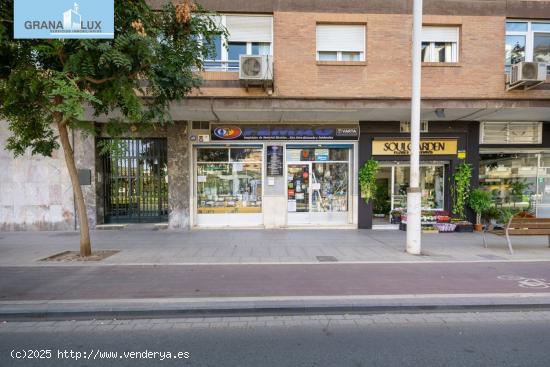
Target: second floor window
[(527, 41), (440, 44), (248, 35), (343, 42)]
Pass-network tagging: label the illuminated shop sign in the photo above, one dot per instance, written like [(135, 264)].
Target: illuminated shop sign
[(403, 147), (284, 132)]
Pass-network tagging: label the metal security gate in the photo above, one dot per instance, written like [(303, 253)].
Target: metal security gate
[(136, 184)]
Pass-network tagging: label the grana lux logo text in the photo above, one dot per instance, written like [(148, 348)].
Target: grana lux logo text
[(63, 19), (72, 23)]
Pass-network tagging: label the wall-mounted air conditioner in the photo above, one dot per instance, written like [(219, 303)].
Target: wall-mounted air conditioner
[(256, 69), (527, 75)]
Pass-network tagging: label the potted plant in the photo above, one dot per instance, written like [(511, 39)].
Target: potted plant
[(518, 188), (381, 201), (479, 200), (505, 214), (491, 215), (396, 216), (367, 179)]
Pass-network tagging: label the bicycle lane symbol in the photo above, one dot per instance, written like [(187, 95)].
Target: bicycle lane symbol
[(535, 283)]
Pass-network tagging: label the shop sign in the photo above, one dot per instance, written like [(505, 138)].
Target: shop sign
[(403, 147), (274, 160), (284, 132)]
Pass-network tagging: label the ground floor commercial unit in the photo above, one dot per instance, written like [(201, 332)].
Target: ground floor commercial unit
[(272, 174)]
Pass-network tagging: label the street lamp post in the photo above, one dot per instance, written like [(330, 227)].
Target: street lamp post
[(413, 194)]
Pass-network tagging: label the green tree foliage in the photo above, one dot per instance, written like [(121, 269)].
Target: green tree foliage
[(46, 85), (460, 188)]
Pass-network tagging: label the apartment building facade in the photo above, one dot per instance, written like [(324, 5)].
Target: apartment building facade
[(297, 98)]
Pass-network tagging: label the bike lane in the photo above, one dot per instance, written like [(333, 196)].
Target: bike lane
[(187, 281)]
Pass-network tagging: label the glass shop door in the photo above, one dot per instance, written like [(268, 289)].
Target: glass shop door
[(318, 182)]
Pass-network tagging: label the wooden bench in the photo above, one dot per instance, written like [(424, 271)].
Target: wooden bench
[(526, 227)]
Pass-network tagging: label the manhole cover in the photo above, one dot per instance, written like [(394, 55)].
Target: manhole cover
[(326, 258), (491, 257)]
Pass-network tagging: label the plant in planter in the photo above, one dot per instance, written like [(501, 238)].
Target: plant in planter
[(381, 201), (367, 179), (491, 216), (460, 188), (518, 188), (505, 214), (396, 216), (479, 200)]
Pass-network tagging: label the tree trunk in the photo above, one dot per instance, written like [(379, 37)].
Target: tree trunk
[(85, 244)]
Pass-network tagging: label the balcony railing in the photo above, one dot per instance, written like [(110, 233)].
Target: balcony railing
[(221, 65)]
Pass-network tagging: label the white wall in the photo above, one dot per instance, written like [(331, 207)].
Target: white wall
[(35, 191)]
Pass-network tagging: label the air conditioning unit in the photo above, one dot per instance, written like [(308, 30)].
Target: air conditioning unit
[(527, 75), (256, 69)]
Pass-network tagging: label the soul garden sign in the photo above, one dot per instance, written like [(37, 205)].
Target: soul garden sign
[(40, 19)]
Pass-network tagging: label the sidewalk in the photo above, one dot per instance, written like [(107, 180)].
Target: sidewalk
[(264, 246), (267, 271)]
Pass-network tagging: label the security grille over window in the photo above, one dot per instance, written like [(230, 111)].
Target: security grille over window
[(511, 133)]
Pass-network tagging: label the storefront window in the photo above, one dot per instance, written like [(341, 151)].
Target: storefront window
[(329, 187), (431, 186), (511, 178), (229, 180), (318, 179)]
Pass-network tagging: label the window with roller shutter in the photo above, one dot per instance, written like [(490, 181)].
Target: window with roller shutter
[(247, 35), (340, 42)]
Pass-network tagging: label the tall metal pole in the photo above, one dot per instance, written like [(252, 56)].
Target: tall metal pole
[(413, 194)]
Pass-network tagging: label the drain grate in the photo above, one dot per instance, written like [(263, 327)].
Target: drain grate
[(326, 258)]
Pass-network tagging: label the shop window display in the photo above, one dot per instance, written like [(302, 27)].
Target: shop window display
[(318, 179), (229, 180), (511, 178)]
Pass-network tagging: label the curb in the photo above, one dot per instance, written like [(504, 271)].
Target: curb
[(263, 306)]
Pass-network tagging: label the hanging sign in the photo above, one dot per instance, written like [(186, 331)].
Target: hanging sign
[(403, 147)]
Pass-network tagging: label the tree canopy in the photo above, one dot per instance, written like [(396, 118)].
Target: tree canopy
[(152, 60)]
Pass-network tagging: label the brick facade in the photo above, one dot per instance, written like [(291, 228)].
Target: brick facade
[(479, 74)]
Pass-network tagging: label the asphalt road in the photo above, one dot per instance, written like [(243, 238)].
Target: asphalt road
[(463, 339), (173, 281)]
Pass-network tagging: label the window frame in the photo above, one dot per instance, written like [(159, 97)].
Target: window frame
[(432, 53), (529, 35), (507, 140), (455, 45), (362, 52), (339, 56), (224, 61)]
